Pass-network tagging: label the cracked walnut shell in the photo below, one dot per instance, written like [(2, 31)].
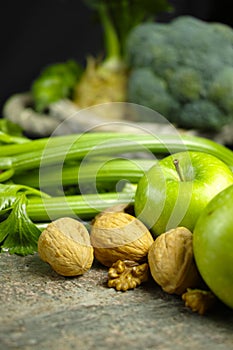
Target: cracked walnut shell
[(172, 263), (65, 245), (119, 236)]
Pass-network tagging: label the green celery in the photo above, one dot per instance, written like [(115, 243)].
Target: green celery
[(120, 143), (18, 234), (54, 141), (112, 170), (6, 139), (83, 207)]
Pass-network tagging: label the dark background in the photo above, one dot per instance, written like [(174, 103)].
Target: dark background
[(34, 34)]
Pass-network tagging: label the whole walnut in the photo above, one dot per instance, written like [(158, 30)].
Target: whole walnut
[(119, 236), (65, 245), (172, 263)]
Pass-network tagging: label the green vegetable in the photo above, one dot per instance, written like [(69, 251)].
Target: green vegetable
[(101, 80), (202, 112), (98, 159), (185, 84), (183, 70), (85, 173), (101, 144), (18, 234), (106, 80), (82, 207), (11, 133), (150, 90), (221, 90), (118, 17), (55, 82)]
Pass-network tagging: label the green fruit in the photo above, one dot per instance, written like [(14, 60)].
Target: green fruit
[(170, 195), (213, 245)]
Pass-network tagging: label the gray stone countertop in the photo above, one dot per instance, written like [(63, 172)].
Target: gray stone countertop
[(42, 310)]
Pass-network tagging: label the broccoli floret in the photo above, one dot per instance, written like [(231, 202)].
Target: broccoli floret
[(223, 30), (161, 57), (221, 90), (186, 84), (147, 89), (189, 55), (202, 114), (185, 28)]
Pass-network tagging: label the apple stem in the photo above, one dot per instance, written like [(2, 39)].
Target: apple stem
[(176, 163)]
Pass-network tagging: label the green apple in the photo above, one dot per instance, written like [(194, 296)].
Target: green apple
[(213, 245), (177, 188)]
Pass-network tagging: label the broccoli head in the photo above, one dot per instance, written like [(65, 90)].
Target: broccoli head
[(194, 61)]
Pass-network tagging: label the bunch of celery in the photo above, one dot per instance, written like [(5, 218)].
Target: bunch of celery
[(34, 176)]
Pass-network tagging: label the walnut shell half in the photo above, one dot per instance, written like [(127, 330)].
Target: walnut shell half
[(119, 236), (172, 263), (65, 245)]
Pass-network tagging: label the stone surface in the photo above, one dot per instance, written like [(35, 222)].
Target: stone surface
[(42, 310)]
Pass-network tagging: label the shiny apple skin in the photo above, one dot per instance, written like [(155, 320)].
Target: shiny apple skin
[(213, 245), (163, 201)]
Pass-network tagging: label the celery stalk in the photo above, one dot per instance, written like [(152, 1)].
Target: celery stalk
[(112, 170), (82, 207), (39, 144), (119, 144)]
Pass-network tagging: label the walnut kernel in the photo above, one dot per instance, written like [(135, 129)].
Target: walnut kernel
[(124, 275), (199, 300)]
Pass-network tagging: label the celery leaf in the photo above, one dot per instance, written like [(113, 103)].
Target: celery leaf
[(18, 234)]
